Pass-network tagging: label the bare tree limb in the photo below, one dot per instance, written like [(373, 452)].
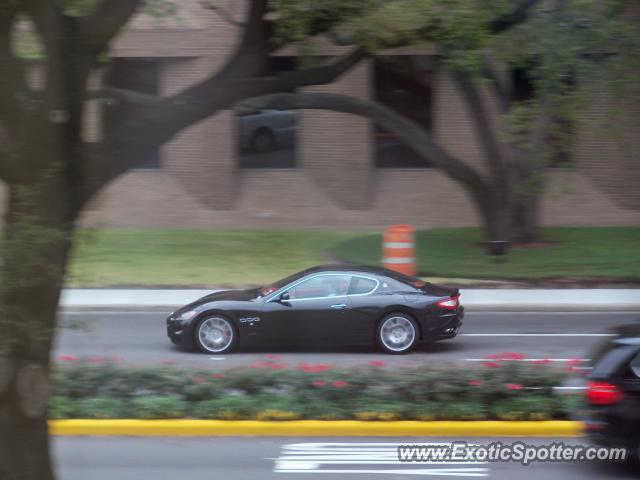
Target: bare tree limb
[(500, 88), (411, 133), (483, 125), (223, 14), (98, 28)]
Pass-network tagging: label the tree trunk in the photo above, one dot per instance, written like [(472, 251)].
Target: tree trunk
[(36, 243), (524, 219), (494, 208)]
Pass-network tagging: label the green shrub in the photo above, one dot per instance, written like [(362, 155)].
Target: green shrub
[(101, 408), (61, 407), (159, 407)]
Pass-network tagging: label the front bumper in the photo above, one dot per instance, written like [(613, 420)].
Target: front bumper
[(179, 332)]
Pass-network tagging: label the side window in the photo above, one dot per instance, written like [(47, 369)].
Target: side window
[(321, 287), (362, 286)]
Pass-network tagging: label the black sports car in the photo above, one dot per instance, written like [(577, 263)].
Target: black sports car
[(328, 304)]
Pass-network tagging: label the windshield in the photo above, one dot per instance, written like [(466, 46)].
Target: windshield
[(266, 290)]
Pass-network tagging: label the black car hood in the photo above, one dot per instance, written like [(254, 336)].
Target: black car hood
[(225, 295)]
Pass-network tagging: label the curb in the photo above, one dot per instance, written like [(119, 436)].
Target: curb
[(311, 428), (475, 298)]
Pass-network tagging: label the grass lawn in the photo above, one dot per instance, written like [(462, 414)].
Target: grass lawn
[(196, 257), (581, 253), (221, 258)]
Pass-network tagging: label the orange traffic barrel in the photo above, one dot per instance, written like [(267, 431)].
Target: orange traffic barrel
[(398, 249)]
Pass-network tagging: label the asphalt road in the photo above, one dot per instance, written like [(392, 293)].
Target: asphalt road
[(140, 338), (250, 458)]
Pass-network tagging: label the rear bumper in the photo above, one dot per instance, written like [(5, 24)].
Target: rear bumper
[(449, 326)]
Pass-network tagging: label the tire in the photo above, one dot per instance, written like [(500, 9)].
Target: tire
[(215, 334), (397, 333), (263, 140)]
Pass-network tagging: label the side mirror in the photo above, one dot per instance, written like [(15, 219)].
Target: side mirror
[(284, 297)]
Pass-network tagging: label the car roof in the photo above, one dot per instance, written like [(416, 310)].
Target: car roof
[(347, 268)]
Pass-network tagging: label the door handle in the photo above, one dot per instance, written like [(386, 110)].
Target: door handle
[(339, 305)]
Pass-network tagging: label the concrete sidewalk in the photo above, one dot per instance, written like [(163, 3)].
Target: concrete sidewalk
[(476, 299)]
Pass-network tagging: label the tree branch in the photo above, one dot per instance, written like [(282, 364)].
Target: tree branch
[(411, 133), (483, 125), (513, 18), (501, 89), (98, 28), (223, 14)]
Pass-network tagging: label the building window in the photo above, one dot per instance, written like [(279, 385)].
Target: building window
[(403, 83), (139, 75), (267, 137)]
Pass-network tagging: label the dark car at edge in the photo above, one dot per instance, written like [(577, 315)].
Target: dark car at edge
[(332, 305), (612, 416)]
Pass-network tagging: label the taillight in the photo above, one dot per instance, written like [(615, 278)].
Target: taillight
[(603, 393), (450, 303)]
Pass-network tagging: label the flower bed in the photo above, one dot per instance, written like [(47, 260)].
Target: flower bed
[(502, 388)]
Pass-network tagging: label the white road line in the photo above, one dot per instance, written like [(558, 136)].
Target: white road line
[(374, 457), (550, 312), (537, 334), (115, 312), (528, 359)]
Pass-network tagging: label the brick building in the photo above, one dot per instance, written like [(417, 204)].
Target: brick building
[(329, 169)]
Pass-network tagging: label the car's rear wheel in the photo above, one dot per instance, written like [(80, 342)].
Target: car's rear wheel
[(397, 333), (215, 334)]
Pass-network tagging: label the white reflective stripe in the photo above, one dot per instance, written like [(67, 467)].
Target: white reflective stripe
[(397, 244), (399, 260)]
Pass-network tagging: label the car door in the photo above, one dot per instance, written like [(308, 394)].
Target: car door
[(314, 311), (365, 309)]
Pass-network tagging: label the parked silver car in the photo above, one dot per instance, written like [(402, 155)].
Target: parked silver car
[(266, 130)]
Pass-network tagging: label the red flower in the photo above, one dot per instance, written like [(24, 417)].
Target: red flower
[(318, 383), (546, 361), (278, 366), (339, 383), (199, 379), (511, 356), (271, 356), (217, 375), (377, 363), (68, 358), (574, 362), (96, 360), (310, 368), (259, 365), (514, 386), (491, 364), (475, 383)]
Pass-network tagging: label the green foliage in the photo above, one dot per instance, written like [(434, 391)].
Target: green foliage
[(577, 253), (101, 408), (153, 407), (503, 389)]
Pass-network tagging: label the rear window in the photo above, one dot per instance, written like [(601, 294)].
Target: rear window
[(406, 279)]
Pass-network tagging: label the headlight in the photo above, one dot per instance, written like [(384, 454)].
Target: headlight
[(188, 315)]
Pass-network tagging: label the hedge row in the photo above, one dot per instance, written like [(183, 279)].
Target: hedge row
[(501, 388)]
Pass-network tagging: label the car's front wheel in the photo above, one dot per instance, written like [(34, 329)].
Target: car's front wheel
[(215, 334), (397, 333)]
